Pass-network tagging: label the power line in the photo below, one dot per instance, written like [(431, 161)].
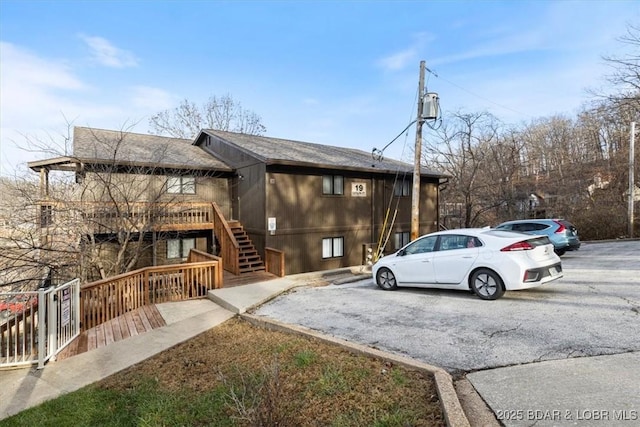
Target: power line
[(475, 94)]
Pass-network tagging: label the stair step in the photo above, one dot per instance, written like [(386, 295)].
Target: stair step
[(251, 269), (249, 259)]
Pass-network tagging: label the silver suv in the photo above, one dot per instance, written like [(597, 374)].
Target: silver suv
[(561, 232)]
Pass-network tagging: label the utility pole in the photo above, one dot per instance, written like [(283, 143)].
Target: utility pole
[(632, 185), (415, 195)]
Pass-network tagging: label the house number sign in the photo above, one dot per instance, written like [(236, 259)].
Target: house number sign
[(359, 189)]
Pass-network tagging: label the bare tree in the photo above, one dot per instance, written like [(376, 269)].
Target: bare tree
[(464, 151), (221, 113), (95, 219), (625, 74)]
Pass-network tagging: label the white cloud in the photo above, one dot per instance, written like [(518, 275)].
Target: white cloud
[(398, 60), (105, 53), (40, 96), (152, 99), (405, 57), (31, 88)]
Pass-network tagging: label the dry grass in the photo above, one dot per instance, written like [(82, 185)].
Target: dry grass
[(272, 378)]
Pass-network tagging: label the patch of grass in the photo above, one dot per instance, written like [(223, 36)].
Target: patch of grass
[(331, 382), (237, 374), (304, 358)]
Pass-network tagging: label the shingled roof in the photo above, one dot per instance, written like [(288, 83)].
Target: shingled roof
[(99, 145), (288, 152)]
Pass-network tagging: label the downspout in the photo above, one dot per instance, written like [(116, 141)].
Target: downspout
[(372, 237), (442, 185)]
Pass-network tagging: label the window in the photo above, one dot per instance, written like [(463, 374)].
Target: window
[(450, 242), (529, 226), (333, 184), (181, 185), (333, 247), (179, 248), (402, 188), (46, 216), (401, 239), (420, 246)]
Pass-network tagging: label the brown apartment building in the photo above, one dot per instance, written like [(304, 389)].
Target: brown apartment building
[(318, 206)]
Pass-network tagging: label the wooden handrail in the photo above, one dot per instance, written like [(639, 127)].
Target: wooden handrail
[(196, 255), (274, 261), (109, 216), (112, 297), (229, 247)]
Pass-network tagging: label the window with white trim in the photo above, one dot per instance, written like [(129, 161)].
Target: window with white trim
[(181, 185), (402, 188), (179, 248), (332, 247), (333, 185), (402, 238)]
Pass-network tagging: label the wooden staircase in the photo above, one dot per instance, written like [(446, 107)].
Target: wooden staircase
[(249, 259)]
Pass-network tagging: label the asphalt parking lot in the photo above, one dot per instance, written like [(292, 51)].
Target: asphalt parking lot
[(593, 310)]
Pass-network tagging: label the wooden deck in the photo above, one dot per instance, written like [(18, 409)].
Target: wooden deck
[(231, 280), (135, 322), (141, 320)]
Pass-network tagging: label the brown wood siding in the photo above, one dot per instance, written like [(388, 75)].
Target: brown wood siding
[(297, 202), (304, 216), (251, 193), (152, 188), (303, 251)]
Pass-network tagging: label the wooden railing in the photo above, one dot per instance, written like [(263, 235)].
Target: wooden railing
[(229, 248), (274, 261), (112, 297), (196, 255), (109, 217)]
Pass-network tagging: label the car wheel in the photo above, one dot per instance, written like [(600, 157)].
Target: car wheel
[(560, 252), (386, 280), (486, 284)]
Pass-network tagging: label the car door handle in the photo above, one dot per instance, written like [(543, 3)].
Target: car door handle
[(426, 260)]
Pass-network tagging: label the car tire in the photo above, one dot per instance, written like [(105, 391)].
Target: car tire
[(386, 280), (486, 284), (560, 252)]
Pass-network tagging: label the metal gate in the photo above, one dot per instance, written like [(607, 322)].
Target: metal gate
[(37, 325)]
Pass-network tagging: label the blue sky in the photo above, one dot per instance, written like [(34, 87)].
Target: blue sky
[(333, 72)]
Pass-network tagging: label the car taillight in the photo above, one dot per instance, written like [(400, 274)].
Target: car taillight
[(519, 246), (561, 227)]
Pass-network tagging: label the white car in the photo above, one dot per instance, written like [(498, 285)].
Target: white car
[(485, 261)]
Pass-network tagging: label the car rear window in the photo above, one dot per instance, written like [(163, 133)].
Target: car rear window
[(529, 226), (567, 224)]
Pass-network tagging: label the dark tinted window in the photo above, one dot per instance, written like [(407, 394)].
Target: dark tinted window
[(529, 226)]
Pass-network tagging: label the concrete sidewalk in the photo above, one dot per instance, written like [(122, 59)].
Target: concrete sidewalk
[(585, 391)]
